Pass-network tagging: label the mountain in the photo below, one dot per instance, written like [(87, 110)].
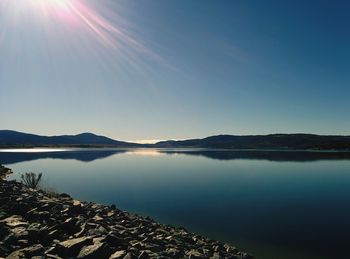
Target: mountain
[(9, 138), (272, 141)]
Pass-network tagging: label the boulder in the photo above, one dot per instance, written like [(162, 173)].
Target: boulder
[(96, 250), (118, 254), (15, 221), (28, 252), (72, 247)]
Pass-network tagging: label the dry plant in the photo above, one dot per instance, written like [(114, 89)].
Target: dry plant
[(31, 179)]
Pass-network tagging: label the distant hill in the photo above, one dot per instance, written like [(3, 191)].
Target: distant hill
[(273, 141), (9, 138)]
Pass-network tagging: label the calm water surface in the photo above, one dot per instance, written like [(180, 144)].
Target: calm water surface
[(274, 205)]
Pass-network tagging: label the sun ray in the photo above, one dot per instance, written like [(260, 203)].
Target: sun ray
[(80, 15)]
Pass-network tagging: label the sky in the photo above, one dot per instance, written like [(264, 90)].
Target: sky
[(161, 69)]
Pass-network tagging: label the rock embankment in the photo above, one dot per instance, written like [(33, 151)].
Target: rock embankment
[(37, 224)]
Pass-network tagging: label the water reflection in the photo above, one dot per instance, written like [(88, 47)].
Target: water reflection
[(80, 155), (270, 155), (253, 199), (88, 155)]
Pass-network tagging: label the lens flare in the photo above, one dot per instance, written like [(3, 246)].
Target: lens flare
[(81, 16)]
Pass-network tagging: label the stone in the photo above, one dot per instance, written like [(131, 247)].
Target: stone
[(28, 252), (4, 231), (143, 255), (15, 221), (19, 254), (3, 250), (153, 247), (20, 208), (114, 240), (97, 218), (96, 250), (72, 247), (20, 232), (82, 230), (118, 254), (64, 195), (77, 203), (97, 231), (194, 254), (51, 256), (173, 252), (130, 255)]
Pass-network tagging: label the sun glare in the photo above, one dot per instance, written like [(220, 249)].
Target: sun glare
[(80, 19), (58, 3)]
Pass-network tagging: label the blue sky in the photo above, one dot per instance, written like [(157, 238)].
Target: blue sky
[(159, 69)]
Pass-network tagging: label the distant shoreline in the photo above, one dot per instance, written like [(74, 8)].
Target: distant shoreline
[(299, 141), (58, 148), (11, 156)]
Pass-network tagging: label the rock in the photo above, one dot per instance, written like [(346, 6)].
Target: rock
[(153, 247), (20, 208), (4, 231), (70, 226), (14, 221), (77, 203), (97, 250), (97, 231), (76, 208), (50, 256), (118, 254), (20, 232), (28, 252), (81, 231), (2, 215), (215, 256), (72, 247), (54, 234), (173, 252), (194, 254), (36, 232), (64, 195), (4, 251), (143, 255), (97, 218), (19, 254), (130, 255), (114, 241)]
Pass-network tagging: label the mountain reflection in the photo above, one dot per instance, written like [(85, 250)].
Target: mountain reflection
[(80, 155), (270, 155), (89, 155)]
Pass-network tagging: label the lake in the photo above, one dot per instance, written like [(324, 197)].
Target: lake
[(272, 204)]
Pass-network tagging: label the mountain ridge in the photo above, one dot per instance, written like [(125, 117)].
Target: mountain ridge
[(16, 138), (10, 138), (278, 141)]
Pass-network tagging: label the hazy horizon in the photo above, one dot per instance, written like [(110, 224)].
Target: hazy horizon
[(163, 70)]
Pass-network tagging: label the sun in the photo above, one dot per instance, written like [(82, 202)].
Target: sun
[(58, 3)]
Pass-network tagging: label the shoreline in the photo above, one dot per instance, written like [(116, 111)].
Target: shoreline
[(49, 225)]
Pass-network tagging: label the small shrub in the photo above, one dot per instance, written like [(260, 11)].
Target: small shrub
[(31, 179)]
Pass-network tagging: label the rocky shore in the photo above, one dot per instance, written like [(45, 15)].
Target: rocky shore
[(37, 224)]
